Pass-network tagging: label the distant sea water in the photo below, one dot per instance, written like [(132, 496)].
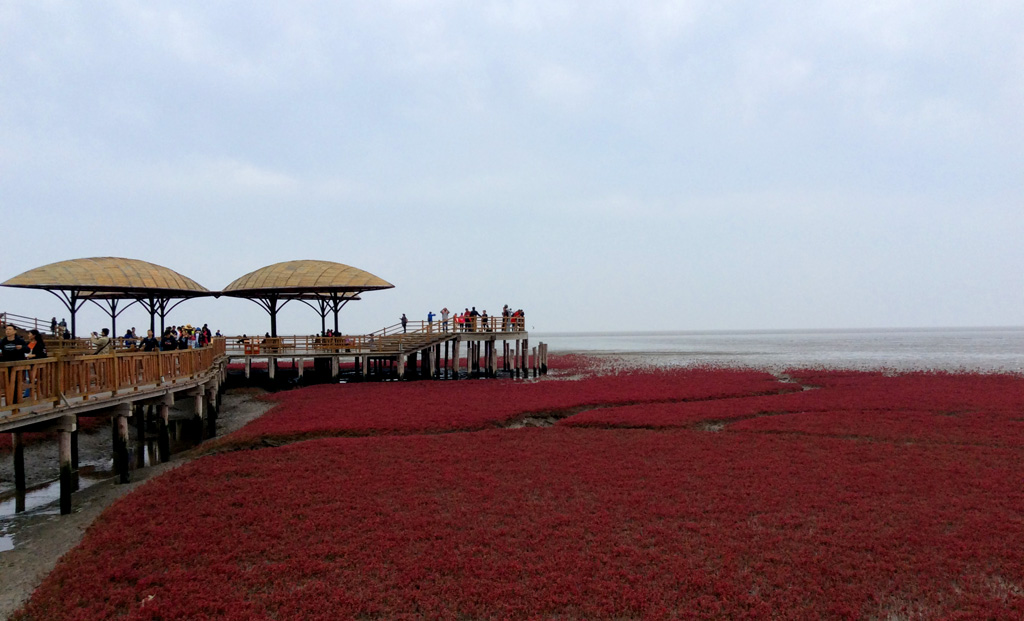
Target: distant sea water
[(947, 349)]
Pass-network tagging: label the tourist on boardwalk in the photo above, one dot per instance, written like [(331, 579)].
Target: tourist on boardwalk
[(473, 318), (35, 350), (36, 347), (150, 343), (444, 319), (505, 315), (53, 326), (485, 322), (404, 322), (102, 342), (168, 342), (460, 323), (63, 325), (129, 339), (14, 347)]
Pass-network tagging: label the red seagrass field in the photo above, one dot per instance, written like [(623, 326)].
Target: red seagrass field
[(680, 493)]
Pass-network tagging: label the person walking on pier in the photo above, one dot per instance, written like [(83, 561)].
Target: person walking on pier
[(444, 319), (405, 321), (53, 326)]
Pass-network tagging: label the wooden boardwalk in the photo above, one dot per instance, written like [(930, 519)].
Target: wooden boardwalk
[(50, 395), (431, 349)]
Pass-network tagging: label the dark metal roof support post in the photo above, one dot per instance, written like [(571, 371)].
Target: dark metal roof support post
[(71, 302)]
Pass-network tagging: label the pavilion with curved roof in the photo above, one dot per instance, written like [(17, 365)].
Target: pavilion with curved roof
[(109, 281), (330, 285)]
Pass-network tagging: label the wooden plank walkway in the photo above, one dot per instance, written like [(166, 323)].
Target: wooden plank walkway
[(49, 395), (435, 345)]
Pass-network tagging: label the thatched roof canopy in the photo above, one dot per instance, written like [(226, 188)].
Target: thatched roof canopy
[(107, 277), (292, 278), (327, 284), (106, 281)]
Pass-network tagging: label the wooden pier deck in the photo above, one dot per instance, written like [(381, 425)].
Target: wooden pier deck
[(51, 394), (429, 347)]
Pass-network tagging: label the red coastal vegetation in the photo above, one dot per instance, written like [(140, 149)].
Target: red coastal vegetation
[(870, 496)]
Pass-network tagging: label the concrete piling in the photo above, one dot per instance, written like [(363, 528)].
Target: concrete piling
[(120, 424)]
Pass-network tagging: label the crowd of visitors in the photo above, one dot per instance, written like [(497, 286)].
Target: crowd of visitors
[(173, 338), (470, 320)]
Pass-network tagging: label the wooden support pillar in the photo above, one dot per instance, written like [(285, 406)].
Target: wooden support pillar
[(335, 366), (365, 366), (19, 460), (535, 362), (544, 360), (120, 424), (401, 366), (164, 439), (248, 366), (67, 477), (302, 366), (447, 361), (272, 367), (431, 363)]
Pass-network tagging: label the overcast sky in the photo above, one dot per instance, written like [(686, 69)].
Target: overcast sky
[(604, 165)]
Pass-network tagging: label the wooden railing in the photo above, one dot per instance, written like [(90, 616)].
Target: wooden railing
[(385, 340), (25, 323), (53, 380), (471, 324)]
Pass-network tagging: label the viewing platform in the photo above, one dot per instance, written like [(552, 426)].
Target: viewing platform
[(427, 349)]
